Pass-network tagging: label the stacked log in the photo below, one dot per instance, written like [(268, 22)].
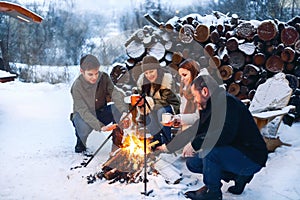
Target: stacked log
[(241, 53)]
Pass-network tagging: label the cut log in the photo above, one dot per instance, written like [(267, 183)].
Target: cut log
[(251, 70), (214, 61), (274, 64), (177, 58), (232, 44), (220, 28), (236, 59), (226, 72), (168, 57), (223, 54), (267, 30), (154, 21), (289, 67), (130, 63), (247, 48), (214, 36), (289, 36), (246, 30), (202, 33), (119, 74), (137, 35), (288, 54), (170, 24), (186, 33), (157, 50), (238, 76), (229, 34), (135, 50), (210, 49), (234, 89), (234, 19), (169, 46)]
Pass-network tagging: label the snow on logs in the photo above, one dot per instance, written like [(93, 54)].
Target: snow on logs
[(245, 53)]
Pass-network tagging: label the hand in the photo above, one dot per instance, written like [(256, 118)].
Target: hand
[(125, 122), (141, 103), (188, 151), (109, 127), (177, 120), (162, 148)]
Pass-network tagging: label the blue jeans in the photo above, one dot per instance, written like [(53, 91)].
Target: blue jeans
[(153, 121), (219, 161), (105, 115)]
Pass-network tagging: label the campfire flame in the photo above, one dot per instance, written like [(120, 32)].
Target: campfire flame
[(131, 156), (128, 161), (135, 146)]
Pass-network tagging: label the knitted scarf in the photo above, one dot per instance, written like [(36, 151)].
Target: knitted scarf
[(190, 106)]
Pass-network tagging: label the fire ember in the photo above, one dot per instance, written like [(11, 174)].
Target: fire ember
[(127, 163)]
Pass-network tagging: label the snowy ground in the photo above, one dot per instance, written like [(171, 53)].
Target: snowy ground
[(36, 155)]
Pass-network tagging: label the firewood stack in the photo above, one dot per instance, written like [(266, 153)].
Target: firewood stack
[(245, 53)]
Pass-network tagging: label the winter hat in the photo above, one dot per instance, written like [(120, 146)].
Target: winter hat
[(149, 63)]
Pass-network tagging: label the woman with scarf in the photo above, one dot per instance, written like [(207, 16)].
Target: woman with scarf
[(188, 71), (158, 87)]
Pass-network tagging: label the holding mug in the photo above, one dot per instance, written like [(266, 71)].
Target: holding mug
[(166, 118), (134, 99)]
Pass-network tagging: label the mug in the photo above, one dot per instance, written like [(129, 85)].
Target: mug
[(134, 99), (166, 118)]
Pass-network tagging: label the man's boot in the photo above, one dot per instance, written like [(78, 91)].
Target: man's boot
[(240, 183), (228, 176), (208, 195), (80, 147), (192, 194)]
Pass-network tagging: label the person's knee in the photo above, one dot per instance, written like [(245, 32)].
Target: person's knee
[(81, 127), (194, 165), (214, 154)]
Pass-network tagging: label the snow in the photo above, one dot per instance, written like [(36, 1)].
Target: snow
[(4, 74), (37, 153)]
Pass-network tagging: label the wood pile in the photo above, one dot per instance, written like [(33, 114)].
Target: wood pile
[(243, 54)]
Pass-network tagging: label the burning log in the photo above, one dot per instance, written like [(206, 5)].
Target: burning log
[(127, 163)]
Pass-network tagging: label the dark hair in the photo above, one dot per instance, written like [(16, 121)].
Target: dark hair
[(190, 65), (89, 62), (202, 81)]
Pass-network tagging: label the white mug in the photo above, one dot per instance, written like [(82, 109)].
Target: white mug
[(166, 117)]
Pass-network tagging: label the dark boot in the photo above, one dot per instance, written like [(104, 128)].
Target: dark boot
[(240, 183), (208, 195), (80, 147), (228, 176), (191, 194)]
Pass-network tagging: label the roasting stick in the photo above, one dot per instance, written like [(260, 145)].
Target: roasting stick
[(111, 134)]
